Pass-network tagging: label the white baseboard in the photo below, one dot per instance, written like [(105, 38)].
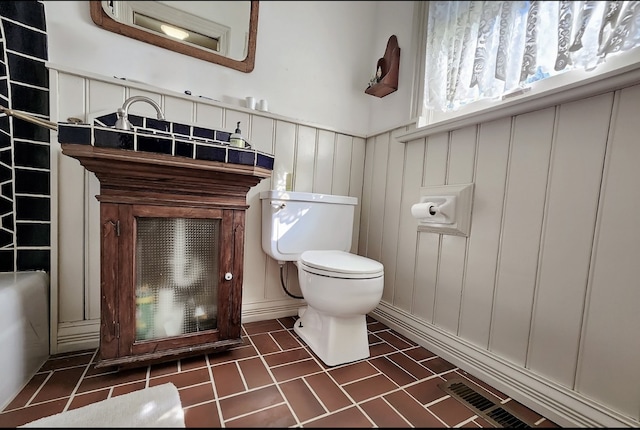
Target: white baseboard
[(77, 336), (270, 310), (561, 405)]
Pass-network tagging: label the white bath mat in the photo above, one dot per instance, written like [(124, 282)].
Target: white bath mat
[(157, 406)]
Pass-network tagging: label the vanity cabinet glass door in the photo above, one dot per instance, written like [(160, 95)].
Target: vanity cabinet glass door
[(176, 288)]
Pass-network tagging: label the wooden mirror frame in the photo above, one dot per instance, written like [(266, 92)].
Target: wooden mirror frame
[(102, 20)]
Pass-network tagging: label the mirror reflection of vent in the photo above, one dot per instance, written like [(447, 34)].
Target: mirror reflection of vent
[(497, 414)]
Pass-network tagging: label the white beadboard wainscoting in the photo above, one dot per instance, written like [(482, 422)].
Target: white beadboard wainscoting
[(542, 299), (321, 160)]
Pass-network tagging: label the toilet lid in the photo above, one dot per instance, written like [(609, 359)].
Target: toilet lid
[(340, 264)]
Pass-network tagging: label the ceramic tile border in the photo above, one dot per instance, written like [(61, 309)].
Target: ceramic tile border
[(163, 137)]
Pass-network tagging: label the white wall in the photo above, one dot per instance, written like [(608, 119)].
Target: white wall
[(540, 300), (313, 58), (394, 17)]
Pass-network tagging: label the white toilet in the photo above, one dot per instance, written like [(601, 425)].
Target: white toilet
[(315, 232)]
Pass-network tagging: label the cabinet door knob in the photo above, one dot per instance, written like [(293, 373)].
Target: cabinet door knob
[(228, 276)]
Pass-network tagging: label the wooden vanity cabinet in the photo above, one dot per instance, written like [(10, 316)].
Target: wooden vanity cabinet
[(119, 343), (147, 203)]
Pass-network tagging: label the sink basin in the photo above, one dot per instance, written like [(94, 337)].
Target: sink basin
[(153, 136)]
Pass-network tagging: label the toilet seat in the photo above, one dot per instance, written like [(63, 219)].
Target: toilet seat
[(340, 264)]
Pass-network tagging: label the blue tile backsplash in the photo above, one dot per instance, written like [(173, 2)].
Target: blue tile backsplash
[(163, 137), (25, 189)]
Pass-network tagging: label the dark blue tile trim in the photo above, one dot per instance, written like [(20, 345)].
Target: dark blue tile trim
[(33, 259), (108, 120), (6, 238), (158, 124), (32, 208), (30, 13), (109, 138), (32, 100), (28, 70), (25, 40), (27, 131), (163, 137), (158, 145), (74, 134), (203, 132), (6, 260), (136, 120), (211, 153), (184, 149), (29, 181), (223, 136), (27, 154), (33, 234), (182, 129), (238, 156), (264, 160)]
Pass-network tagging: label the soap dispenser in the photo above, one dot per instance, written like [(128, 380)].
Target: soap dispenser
[(236, 138)]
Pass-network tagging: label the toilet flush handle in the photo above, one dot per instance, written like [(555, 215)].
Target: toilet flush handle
[(278, 205)]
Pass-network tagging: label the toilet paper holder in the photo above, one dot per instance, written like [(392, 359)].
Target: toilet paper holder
[(432, 209), (444, 209)]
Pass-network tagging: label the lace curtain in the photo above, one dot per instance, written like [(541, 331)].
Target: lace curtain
[(484, 49)]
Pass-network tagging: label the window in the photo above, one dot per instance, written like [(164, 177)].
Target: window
[(489, 50)]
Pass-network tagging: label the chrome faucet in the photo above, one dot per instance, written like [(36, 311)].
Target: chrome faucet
[(123, 122)]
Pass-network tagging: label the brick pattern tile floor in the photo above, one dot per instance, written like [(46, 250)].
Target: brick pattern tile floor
[(274, 380)]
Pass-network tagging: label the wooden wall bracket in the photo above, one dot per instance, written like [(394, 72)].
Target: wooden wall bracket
[(390, 66)]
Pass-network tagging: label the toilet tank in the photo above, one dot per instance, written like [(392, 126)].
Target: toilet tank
[(293, 222)]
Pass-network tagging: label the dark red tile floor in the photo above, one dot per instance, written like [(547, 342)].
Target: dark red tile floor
[(274, 380)]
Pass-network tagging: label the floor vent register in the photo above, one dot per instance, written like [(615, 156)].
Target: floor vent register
[(496, 413)]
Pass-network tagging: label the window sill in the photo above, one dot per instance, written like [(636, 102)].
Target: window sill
[(543, 94)]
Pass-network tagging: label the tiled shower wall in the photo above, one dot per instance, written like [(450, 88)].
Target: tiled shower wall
[(25, 215)]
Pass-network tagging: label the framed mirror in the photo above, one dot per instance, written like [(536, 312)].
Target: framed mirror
[(221, 32)]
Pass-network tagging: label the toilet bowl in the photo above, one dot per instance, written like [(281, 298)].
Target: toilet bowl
[(340, 288), (315, 232)]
